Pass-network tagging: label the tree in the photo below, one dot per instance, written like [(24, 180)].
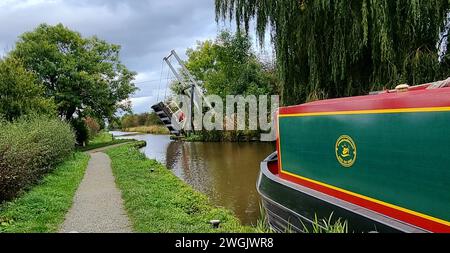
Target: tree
[(21, 93), (129, 120), (83, 75), (143, 119), (93, 126), (114, 123), (345, 47), (227, 66), (153, 119)]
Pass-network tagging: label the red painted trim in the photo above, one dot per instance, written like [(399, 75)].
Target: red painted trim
[(411, 99), (391, 212), (273, 167), (278, 139)]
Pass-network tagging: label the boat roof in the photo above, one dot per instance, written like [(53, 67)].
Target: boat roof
[(421, 96)]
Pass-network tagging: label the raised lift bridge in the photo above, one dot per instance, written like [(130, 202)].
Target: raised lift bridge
[(169, 111)]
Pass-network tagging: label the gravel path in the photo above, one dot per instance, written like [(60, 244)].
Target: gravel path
[(98, 205)]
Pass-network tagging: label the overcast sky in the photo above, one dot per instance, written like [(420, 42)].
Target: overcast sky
[(146, 29)]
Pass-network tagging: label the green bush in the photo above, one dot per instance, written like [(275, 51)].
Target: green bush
[(93, 127), (29, 148), (81, 131)]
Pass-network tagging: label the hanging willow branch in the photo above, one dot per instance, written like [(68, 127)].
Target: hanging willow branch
[(334, 48)]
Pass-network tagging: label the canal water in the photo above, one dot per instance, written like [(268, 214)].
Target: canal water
[(226, 172)]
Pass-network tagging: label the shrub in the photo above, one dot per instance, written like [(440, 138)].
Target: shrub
[(93, 127), (129, 121), (81, 131), (29, 148), (138, 120)]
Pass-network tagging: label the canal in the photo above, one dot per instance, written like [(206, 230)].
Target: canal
[(226, 172)]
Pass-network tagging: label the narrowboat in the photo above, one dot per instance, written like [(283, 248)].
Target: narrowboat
[(381, 162)]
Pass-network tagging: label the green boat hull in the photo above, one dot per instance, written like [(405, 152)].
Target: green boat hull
[(292, 208), (399, 158)]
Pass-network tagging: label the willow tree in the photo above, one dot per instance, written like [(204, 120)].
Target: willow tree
[(334, 48)]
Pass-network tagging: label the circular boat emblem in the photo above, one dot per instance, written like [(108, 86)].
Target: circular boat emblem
[(346, 151)]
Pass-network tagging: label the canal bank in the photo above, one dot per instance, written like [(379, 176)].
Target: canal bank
[(224, 171), (158, 201)]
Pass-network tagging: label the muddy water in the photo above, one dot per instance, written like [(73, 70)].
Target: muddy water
[(226, 172)]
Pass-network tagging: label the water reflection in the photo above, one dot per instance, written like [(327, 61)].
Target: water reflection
[(226, 172)]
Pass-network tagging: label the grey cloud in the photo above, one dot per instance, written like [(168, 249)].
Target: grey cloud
[(146, 30)]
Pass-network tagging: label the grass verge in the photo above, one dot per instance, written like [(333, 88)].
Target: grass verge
[(158, 201), (102, 140), (42, 209)]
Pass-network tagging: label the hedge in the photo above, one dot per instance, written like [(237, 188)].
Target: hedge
[(29, 148)]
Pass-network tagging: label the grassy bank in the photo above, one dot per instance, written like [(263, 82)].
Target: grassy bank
[(224, 136), (158, 201), (155, 129), (42, 209), (103, 139)]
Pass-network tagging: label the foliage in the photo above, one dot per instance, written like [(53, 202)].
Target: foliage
[(228, 66), (81, 131), (327, 226), (29, 148), (262, 224), (83, 75), (189, 210), (128, 121), (42, 209), (21, 93), (224, 136), (342, 48), (143, 119), (317, 226), (154, 119), (93, 126), (114, 123)]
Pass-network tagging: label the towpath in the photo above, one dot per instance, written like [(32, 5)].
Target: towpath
[(98, 205)]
